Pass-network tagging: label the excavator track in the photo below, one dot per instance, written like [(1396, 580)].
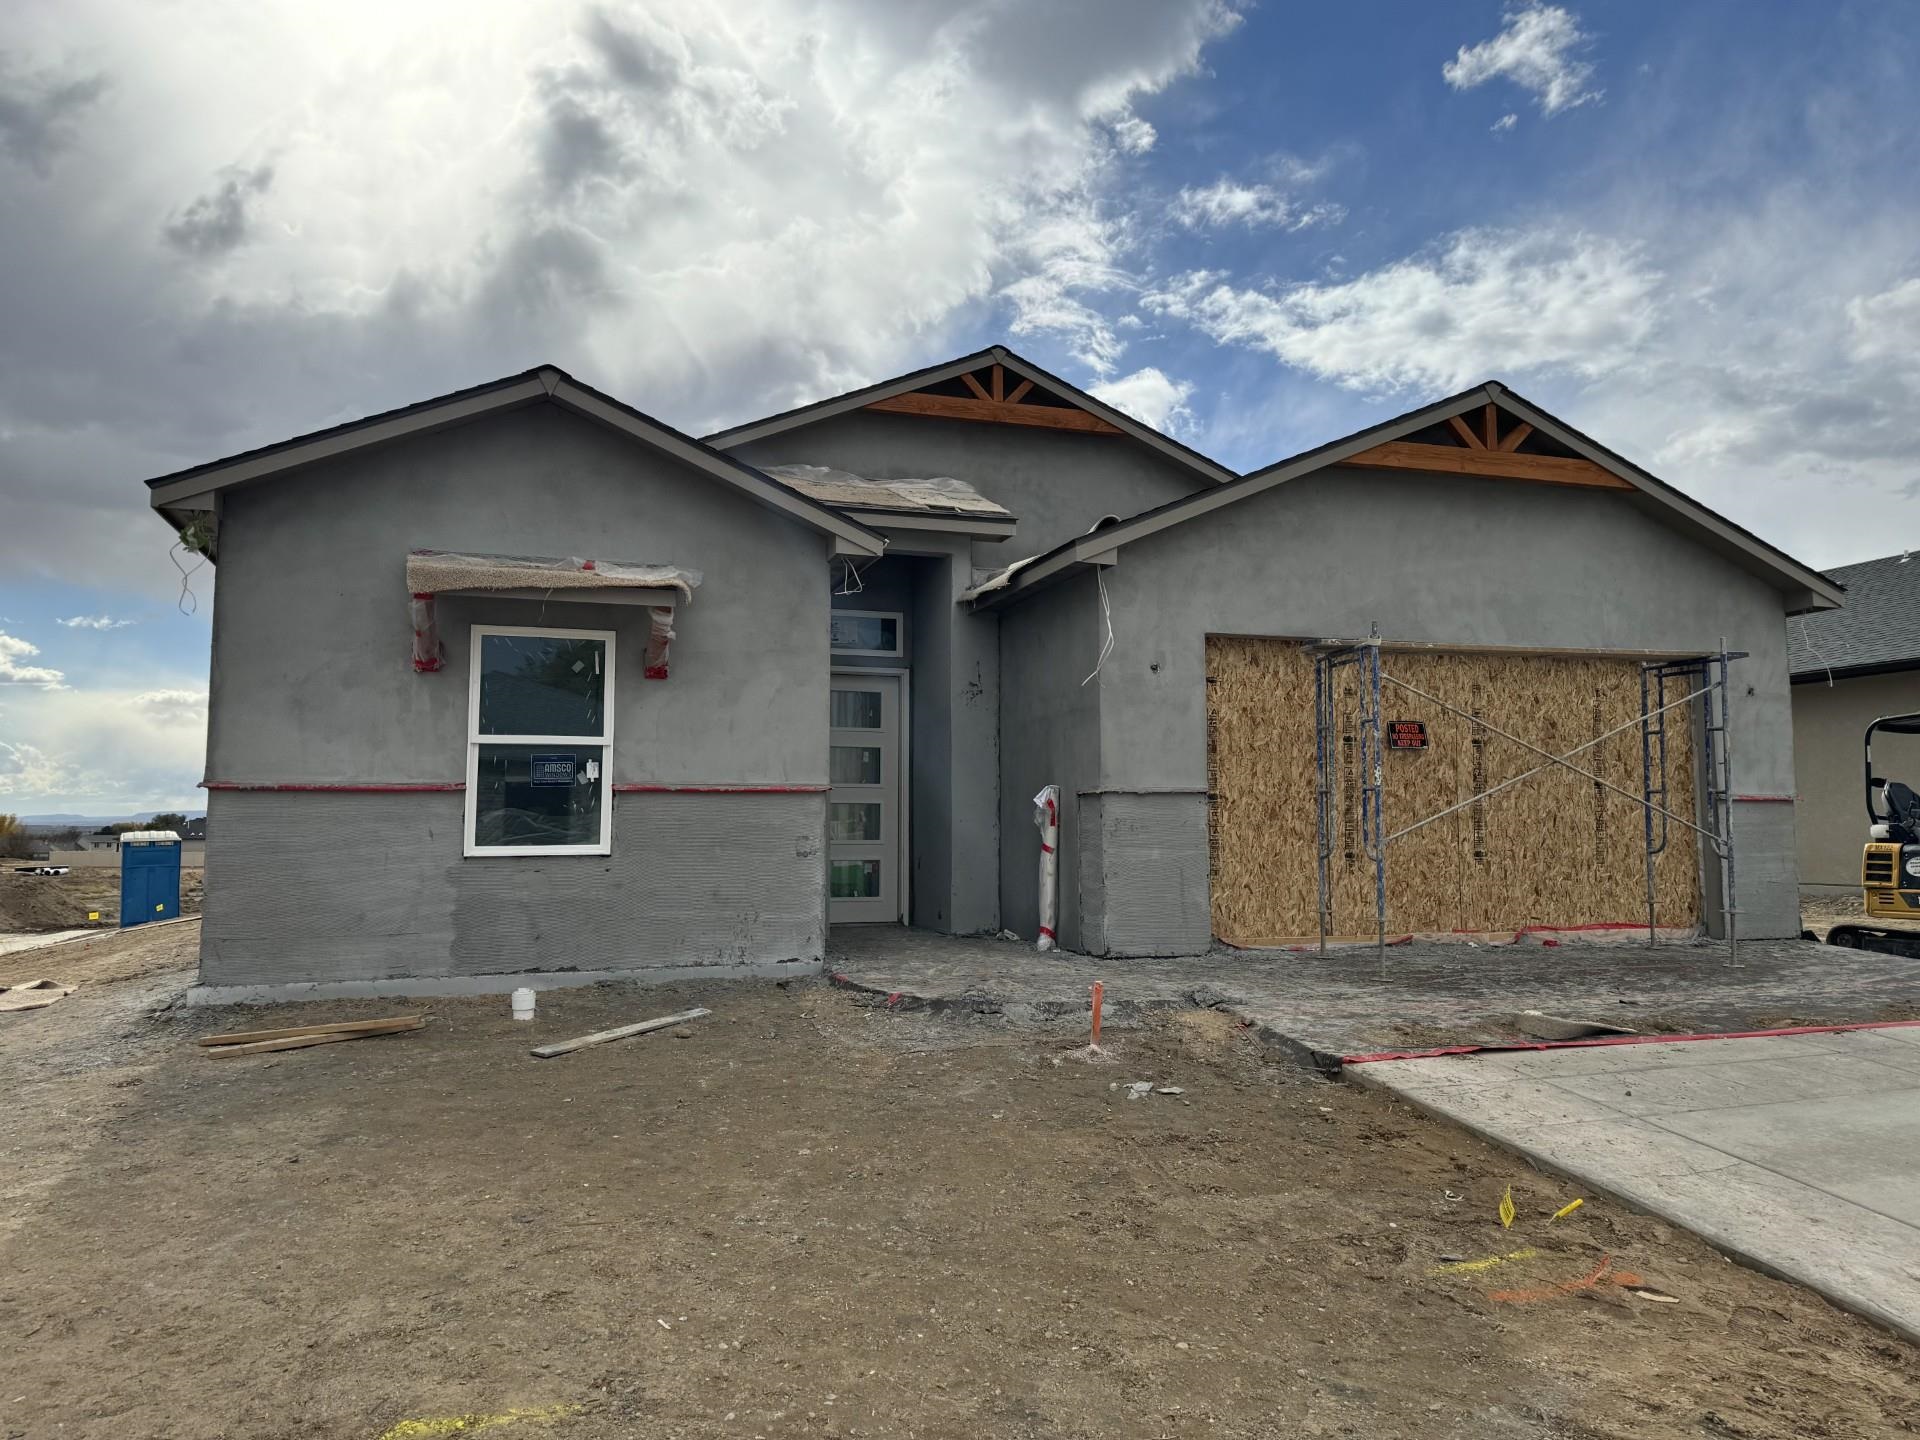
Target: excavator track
[(1876, 938)]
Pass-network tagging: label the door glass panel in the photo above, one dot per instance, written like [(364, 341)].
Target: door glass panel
[(542, 685), (855, 879), (853, 822), (855, 710), (854, 764)]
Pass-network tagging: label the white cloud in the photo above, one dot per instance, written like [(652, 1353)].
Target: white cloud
[(12, 651), (715, 211), (1150, 396), (79, 750), (94, 622), (1485, 302), (172, 707), (1505, 122), (1884, 329), (1536, 51), (1229, 202), (1134, 135)]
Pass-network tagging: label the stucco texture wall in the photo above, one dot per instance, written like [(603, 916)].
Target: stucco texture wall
[(1058, 483), (1829, 722), (312, 682), (1049, 734), (1456, 561)]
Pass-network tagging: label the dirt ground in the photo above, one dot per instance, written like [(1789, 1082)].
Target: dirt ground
[(813, 1216), (1821, 913), (61, 902)]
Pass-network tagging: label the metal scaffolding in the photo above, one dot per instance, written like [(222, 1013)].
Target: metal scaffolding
[(1360, 755)]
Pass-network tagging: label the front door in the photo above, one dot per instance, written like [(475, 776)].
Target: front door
[(863, 810)]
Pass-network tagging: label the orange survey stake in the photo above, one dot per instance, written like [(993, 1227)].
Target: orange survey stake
[(1099, 994)]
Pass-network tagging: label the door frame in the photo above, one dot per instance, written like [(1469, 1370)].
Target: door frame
[(905, 778)]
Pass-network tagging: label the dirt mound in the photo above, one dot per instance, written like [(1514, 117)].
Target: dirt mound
[(63, 902)]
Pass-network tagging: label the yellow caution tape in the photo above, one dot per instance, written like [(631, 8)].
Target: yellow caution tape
[(1506, 1209), (1566, 1210), (431, 1429), (1469, 1267)]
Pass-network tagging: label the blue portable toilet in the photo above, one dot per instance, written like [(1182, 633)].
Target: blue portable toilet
[(149, 876)]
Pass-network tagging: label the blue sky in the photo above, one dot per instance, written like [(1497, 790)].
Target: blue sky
[(1691, 230)]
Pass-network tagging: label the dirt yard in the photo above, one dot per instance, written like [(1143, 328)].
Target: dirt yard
[(815, 1217), (62, 902)]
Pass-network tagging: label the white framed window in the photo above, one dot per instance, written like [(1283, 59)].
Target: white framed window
[(866, 632), (540, 741)]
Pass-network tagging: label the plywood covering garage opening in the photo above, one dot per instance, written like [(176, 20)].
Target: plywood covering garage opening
[(1554, 850)]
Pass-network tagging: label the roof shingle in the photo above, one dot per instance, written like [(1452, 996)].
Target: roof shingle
[(1877, 628)]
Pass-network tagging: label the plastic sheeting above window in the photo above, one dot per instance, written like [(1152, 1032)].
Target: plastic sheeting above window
[(431, 573)]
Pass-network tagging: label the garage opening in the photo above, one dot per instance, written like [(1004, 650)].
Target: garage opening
[(1556, 850)]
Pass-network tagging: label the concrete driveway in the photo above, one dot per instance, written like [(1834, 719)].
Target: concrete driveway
[(1798, 1154)]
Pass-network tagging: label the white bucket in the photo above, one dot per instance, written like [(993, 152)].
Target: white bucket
[(523, 1003)]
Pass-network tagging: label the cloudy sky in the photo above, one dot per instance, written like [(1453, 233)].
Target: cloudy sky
[(1692, 230)]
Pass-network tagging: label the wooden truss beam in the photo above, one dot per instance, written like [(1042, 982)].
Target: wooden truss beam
[(1519, 433), (997, 412), (1465, 432), (1492, 464)]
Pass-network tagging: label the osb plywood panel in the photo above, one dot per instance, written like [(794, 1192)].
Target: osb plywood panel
[(1555, 849)]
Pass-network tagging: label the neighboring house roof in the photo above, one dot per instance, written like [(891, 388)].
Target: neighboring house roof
[(1878, 629), (1585, 462), (179, 494), (939, 503), (1211, 471)]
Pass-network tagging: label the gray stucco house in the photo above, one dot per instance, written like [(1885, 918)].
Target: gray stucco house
[(1851, 666), (520, 681)]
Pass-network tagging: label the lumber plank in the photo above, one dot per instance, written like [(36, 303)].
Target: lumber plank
[(999, 382), (1517, 436), (622, 1032), (1491, 422), (1494, 464), (368, 1027), (979, 390), (298, 1042), (999, 412), (1019, 392), (1465, 432)]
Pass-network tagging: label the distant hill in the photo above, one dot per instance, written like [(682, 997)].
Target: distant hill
[(94, 822)]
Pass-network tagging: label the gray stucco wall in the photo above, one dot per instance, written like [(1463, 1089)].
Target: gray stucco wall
[(373, 887), (1057, 482), (311, 678), (1451, 561), (312, 683), (1831, 812), (1049, 734)]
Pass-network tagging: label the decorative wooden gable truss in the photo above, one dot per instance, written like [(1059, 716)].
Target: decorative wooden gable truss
[(983, 395), (1488, 442)]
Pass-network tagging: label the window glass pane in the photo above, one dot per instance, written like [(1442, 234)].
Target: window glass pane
[(855, 879), (866, 632), (853, 822), (853, 764), (542, 685), (537, 795), (855, 710)]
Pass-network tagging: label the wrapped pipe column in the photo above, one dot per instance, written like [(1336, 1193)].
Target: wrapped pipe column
[(1046, 815)]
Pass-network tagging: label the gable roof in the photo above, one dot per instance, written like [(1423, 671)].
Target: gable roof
[(1185, 456), (184, 491), (1879, 628), (1805, 588)]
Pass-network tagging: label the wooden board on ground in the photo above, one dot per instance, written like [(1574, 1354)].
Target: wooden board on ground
[(360, 1027), (601, 1037), (319, 1037), (1553, 850)]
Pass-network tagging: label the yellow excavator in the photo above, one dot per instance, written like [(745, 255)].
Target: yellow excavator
[(1890, 864)]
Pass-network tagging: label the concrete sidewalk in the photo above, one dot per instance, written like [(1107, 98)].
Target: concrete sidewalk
[(1799, 1155)]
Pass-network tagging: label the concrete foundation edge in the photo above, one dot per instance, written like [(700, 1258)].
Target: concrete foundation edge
[(294, 992), (1597, 1182)]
